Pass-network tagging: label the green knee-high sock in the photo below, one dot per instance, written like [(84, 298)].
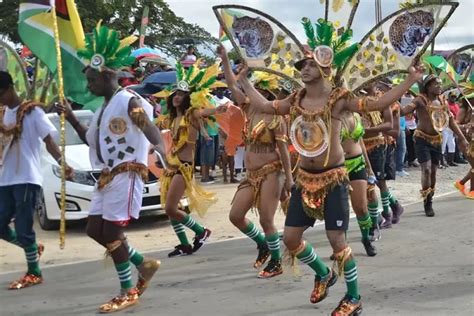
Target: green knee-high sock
[(309, 257), (135, 257), (374, 211), (124, 271), (11, 237), (32, 259), (254, 233), (365, 223), (350, 275), (273, 242), (385, 203), (180, 232), (189, 222), (391, 198)]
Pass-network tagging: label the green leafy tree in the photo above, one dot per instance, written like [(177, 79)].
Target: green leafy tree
[(163, 30)]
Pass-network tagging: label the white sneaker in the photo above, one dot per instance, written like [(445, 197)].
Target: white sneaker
[(402, 173)]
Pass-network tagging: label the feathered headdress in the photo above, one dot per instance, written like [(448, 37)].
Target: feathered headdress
[(329, 48), (198, 81), (265, 81), (104, 49)]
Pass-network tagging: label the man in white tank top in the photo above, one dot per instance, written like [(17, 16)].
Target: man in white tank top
[(119, 138)]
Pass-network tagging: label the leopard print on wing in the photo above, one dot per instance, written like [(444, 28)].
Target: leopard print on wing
[(254, 35), (409, 31)]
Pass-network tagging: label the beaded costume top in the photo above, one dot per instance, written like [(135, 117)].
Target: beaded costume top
[(438, 111), (310, 130), (355, 132), (260, 134)]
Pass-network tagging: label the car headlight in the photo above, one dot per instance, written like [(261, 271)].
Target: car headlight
[(81, 177)]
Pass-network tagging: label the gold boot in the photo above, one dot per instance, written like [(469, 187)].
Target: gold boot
[(120, 302), (146, 271)]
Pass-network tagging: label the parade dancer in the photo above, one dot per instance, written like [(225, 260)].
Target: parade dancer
[(377, 124), (266, 154), (352, 132), (23, 126), (188, 106), (433, 117), (321, 190), (119, 138), (466, 121)]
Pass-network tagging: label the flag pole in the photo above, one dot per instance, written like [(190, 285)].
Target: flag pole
[(62, 225)]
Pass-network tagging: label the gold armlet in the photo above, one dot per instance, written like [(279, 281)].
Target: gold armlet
[(114, 245), (283, 138), (139, 118), (362, 104)]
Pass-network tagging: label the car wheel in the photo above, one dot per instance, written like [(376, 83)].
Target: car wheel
[(43, 220)]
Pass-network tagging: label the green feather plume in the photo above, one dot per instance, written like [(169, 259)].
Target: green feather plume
[(113, 44), (179, 72), (325, 35), (208, 83), (189, 73), (105, 42), (309, 30), (102, 40), (341, 57), (198, 77)]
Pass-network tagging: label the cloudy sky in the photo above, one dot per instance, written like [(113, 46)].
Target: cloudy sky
[(458, 32)]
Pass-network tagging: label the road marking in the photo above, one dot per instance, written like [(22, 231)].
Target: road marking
[(352, 215)]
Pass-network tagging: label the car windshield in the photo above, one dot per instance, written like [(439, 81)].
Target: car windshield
[(72, 138)]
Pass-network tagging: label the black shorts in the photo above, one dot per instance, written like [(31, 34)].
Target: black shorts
[(390, 170), (336, 209), (425, 151), (358, 175), (377, 161)]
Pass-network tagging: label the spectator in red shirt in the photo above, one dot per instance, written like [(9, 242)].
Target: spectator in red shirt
[(453, 106)]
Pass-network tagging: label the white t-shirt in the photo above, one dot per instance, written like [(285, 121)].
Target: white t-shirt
[(219, 101), (22, 162)]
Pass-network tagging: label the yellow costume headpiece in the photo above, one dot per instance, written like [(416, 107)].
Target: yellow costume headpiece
[(198, 81)]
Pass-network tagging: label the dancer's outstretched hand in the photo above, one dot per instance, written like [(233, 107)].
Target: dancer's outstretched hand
[(221, 52), (416, 71)]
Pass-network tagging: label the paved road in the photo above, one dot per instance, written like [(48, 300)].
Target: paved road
[(424, 267)]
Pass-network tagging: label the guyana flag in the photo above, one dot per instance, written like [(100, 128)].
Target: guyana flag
[(35, 27)]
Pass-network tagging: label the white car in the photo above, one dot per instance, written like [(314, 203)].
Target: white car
[(79, 189)]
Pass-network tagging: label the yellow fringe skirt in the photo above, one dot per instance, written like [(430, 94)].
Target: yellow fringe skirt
[(200, 200)]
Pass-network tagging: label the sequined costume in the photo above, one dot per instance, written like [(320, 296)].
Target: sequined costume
[(315, 186), (260, 136), (199, 199)]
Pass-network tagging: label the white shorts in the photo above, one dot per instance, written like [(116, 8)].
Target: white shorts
[(120, 200)]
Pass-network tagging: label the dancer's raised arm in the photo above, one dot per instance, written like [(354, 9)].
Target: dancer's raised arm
[(280, 107), (238, 95)]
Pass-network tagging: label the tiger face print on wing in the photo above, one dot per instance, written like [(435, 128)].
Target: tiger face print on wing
[(409, 31), (254, 35)]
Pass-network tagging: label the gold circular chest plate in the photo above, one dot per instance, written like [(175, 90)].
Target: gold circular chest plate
[(309, 138), (440, 119)]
